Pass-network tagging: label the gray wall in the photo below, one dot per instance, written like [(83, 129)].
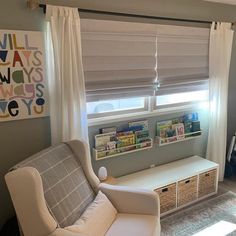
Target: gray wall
[(20, 139)]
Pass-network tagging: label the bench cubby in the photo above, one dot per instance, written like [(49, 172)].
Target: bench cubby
[(178, 183)]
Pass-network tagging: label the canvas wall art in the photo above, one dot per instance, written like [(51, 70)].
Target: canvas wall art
[(23, 87)]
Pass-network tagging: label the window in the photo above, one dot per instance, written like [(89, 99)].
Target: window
[(134, 67), (181, 98), (116, 106), (139, 104)]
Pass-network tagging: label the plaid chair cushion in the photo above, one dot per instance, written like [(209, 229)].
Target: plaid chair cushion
[(66, 188)]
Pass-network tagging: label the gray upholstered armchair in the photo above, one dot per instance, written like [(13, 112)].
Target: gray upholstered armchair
[(53, 188)]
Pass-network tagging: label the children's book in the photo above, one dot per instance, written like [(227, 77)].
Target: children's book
[(179, 130), (142, 123), (101, 140)]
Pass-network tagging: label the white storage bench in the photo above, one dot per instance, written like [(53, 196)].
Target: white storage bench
[(178, 183)]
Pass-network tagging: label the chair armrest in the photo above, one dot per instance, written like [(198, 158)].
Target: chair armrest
[(132, 200), (63, 232), (26, 190)]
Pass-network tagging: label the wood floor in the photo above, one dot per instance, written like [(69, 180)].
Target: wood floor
[(229, 184)]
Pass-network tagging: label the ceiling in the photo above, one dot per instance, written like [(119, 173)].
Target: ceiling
[(233, 2)]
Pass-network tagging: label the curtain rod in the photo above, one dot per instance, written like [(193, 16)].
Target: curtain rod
[(43, 6)]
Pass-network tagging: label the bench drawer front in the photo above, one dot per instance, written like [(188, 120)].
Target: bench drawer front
[(187, 190), (207, 183), (167, 196)]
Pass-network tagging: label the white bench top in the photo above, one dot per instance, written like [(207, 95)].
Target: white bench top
[(166, 174)]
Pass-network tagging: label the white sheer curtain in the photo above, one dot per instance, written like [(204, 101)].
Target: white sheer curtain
[(221, 37), (65, 75)]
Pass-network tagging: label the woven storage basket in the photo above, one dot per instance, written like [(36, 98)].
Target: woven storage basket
[(187, 190), (207, 183), (167, 196)]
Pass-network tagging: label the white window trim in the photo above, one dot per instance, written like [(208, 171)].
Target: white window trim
[(141, 115)]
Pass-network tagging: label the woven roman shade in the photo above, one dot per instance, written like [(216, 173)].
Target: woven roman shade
[(182, 59), (126, 59)]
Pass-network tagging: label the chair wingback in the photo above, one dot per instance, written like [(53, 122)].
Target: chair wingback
[(66, 188)]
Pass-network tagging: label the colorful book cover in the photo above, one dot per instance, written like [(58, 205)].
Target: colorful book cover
[(164, 123), (143, 123), (190, 117), (107, 130), (133, 128), (111, 147), (177, 120), (125, 140), (188, 126), (124, 133), (142, 137), (102, 139), (163, 127), (196, 126), (179, 129)]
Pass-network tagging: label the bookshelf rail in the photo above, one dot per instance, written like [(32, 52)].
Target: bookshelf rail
[(118, 151), (187, 136)]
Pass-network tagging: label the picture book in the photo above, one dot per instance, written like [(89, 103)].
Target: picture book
[(124, 133), (125, 140), (142, 136), (142, 123), (111, 146), (179, 130), (190, 117), (163, 127), (101, 140), (107, 130), (188, 126)]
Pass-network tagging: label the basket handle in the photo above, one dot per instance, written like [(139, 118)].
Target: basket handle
[(164, 190)]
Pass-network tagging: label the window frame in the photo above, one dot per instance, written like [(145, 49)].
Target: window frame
[(120, 112), (150, 109), (174, 105), (179, 104)]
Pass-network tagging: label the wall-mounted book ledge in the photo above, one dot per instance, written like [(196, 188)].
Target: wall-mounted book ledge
[(176, 139), (99, 155), (111, 142), (178, 129)]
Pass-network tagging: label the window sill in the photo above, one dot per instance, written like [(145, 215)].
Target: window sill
[(141, 115)]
